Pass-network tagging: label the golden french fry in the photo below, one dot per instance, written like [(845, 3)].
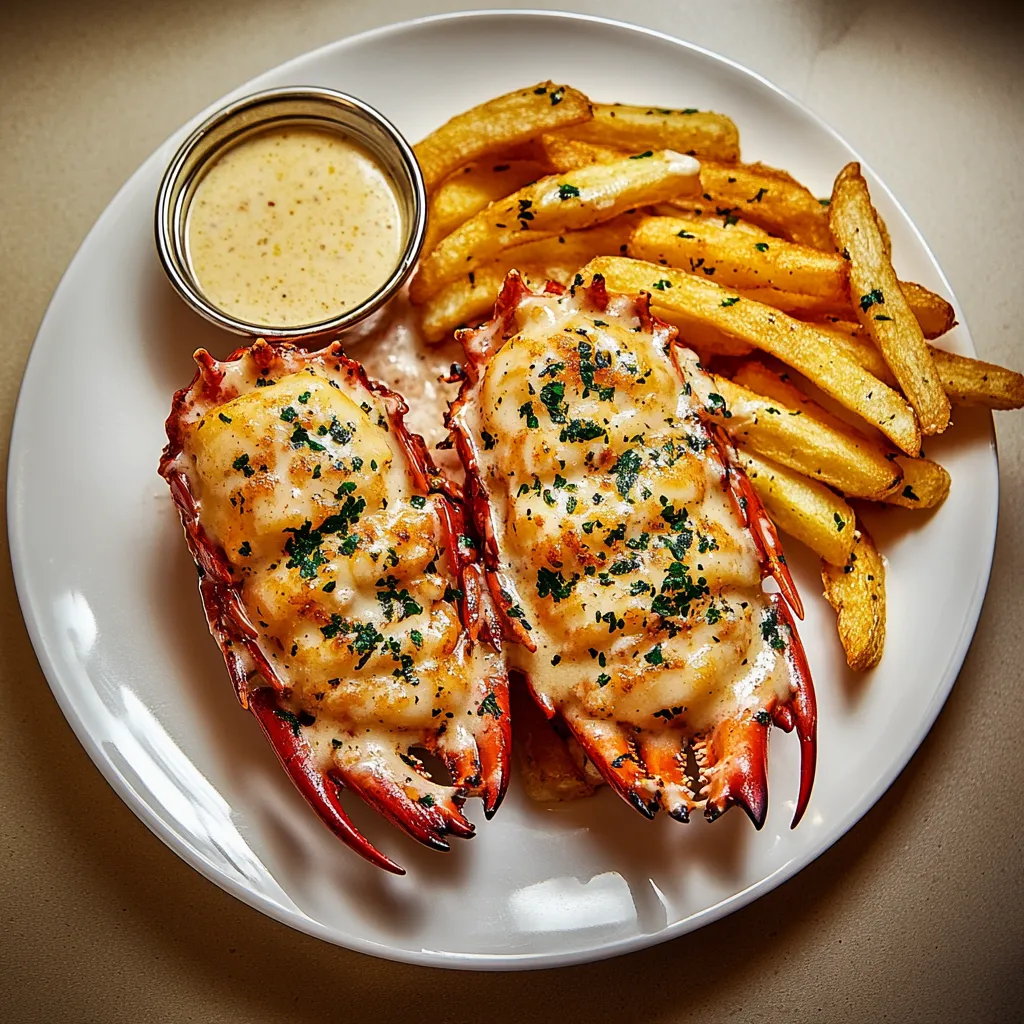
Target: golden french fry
[(837, 456), (932, 312), (497, 125), (926, 306), (556, 257), (768, 198), (550, 772), (925, 484), (880, 304), (806, 510), (551, 206), (706, 339), (472, 188), (565, 154), (700, 133), (738, 261), (856, 590), (797, 344), (702, 215), (973, 382), (966, 381)]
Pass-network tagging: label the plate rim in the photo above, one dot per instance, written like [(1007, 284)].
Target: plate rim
[(295, 918)]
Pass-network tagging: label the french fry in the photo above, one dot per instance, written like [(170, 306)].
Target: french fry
[(769, 198), (926, 306), (805, 509), (550, 772), (966, 381), (932, 312), (838, 456), (700, 133), (472, 188), (856, 590), (497, 125), (880, 304), (797, 344), (925, 484), (702, 215), (565, 154), (551, 206), (556, 257), (738, 261), (857, 464), (703, 337)]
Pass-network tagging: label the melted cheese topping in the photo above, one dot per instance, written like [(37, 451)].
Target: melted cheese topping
[(625, 562), (341, 566), (293, 226)]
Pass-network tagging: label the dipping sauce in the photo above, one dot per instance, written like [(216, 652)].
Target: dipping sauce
[(293, 226)]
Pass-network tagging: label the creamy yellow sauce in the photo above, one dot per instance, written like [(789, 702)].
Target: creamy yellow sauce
[(293, 226)]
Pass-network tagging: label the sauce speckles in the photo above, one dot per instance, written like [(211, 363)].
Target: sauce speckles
[(293, 226)]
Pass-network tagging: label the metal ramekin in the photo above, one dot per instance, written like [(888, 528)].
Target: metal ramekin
[(309, 106)]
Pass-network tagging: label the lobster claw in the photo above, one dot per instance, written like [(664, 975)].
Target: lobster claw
[(320, 790)]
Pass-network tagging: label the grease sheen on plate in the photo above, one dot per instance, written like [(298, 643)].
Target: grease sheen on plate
[(537, 887)]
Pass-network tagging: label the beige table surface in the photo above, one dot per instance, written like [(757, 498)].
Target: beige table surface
[(915, 915)]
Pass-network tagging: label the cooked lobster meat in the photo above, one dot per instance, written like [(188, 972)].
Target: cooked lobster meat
[(625, 550), (341, 585)]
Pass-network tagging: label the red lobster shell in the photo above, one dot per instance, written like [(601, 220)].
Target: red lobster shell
[(625, 551), (339, 582)]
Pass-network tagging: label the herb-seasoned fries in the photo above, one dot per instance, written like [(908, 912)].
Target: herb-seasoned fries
[(838, 457), (807, 510), (700, 133), (856, 590), (880, 304), (471, 189), (795, 343), (552, 205), (498, 125), (740, 258)]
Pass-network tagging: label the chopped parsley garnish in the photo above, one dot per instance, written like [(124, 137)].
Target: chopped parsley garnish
[(291, 719), (625, 471), (328, 587), (566, 191), (716, 406), (288, 414), (551, 397), (761, 193), (639, 587), (908, 492), (840, 522), (761, 246), (300, 436), (304, 397), (640, 156), (416, 637), (245, 550), (552, 370), (223, 418), (731, 301), (713, 615), (685, 234), (874, 297), (526, 413), (418, 501), (392, 599), (654, 656), (242, 463), (662, 285), (581, 430), (771, 632), (554, 584), (881, 316), (490, 706), (426, 800)]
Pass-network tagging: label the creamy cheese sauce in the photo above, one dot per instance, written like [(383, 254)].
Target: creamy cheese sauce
[(293, 226), (624, 560)]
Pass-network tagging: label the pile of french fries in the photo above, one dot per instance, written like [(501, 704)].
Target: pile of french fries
[(821, 353)]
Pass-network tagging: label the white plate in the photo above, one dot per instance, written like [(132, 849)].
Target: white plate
[(110, 598)]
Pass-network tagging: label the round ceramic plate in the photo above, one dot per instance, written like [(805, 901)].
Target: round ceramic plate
[(109, 592)]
